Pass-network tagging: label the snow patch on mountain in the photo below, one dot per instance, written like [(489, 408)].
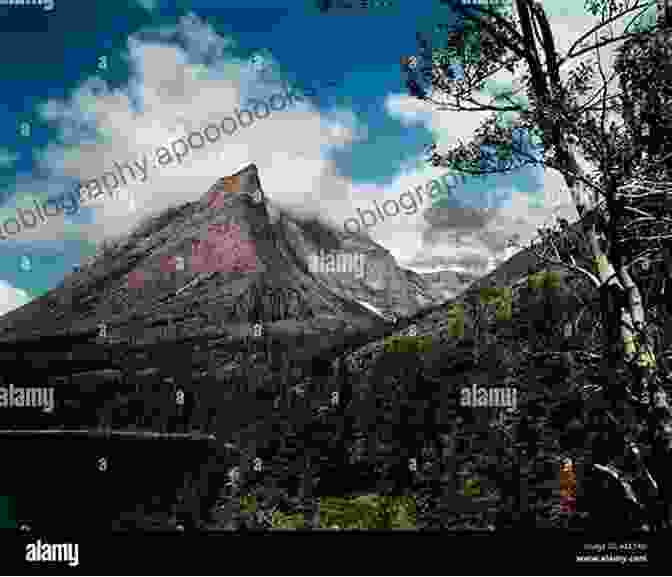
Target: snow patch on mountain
[(376, 310)]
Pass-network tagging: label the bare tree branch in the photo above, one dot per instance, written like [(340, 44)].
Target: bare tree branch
[(597, 27), (605, 42)]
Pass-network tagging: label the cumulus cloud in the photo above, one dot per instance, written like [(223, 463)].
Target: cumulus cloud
[(451, 233), (447, 127), (465, 217), (11, 298), (485, 232), (184, 79)]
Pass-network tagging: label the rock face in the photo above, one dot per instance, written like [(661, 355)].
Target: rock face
[(156, 332), (173, 306), (152, 276)]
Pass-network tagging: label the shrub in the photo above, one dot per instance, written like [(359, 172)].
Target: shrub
[(368, 512)]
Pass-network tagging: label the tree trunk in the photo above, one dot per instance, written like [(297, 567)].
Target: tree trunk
[(635, 338), (632, 316)]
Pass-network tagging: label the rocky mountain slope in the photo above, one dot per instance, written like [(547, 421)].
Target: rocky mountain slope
[(316, 406), (103, 291), (449, 284), (156, 317)]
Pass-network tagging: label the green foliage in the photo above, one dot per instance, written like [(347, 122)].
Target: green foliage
[(7, 513), (288, 520), (535, 281), (490, 295), (499, 296), (644, 70), (544, 280), (596, 7), (402, 512), (503, 312), (368, 512), (409, 344), (248, 504), (394, 419), (607, 8), (497, 145), (455, 314), (472, 488)]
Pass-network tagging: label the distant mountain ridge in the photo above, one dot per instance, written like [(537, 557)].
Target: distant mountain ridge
[(449, 283)]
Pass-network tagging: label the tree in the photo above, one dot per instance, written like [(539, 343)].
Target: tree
[(569, 124)]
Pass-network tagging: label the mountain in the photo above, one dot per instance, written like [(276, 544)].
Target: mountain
[(103, 290), (318, 406), (167, 312)]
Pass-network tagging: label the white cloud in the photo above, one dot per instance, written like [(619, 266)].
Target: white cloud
[(568, 20), (447, 127), (179, 93), (403, 235), (11, 298), (184, 88)]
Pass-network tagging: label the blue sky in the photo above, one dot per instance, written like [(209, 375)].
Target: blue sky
[(105, 82)]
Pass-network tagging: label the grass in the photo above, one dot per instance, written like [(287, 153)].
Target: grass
[(364, 512)]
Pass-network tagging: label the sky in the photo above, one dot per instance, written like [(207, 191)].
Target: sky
[(89, 84)]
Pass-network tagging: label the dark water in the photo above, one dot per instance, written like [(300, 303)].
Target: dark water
[(64, 483)]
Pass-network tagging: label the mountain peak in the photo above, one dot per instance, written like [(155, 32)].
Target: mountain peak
[(245, 181)]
